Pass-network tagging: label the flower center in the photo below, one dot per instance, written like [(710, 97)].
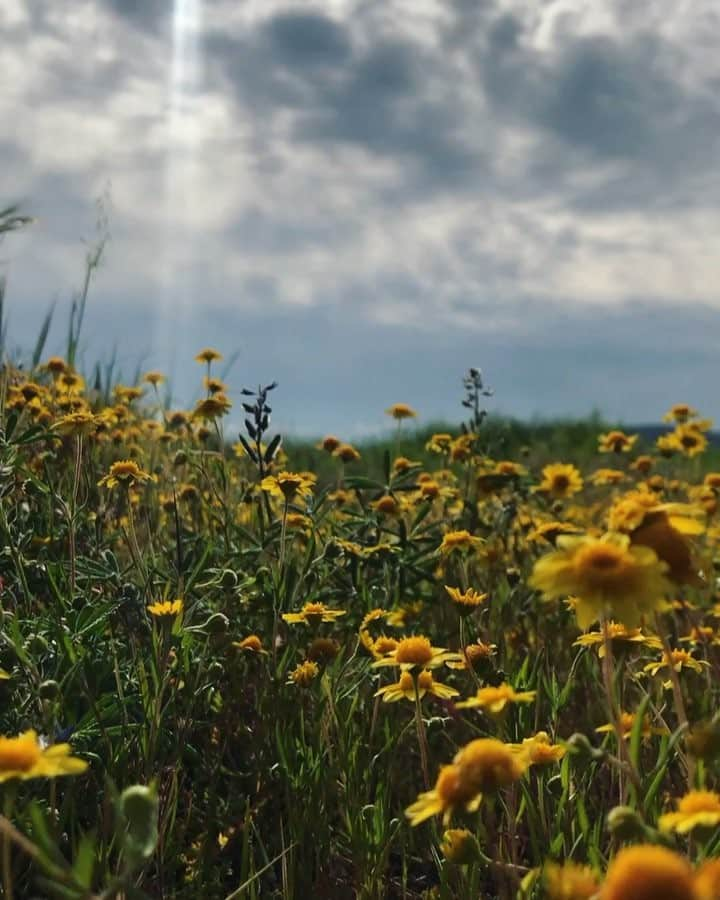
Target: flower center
[(414, 650), (18, 754)]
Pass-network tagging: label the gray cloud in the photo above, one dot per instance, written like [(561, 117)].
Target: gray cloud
[(349, 188)]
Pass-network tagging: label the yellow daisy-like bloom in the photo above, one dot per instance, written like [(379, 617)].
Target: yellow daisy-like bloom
[(616, 631), (164, 608), (482, 766), (212, 407), (495, 699), (405, 688), (56, 365), (474, 656), (616, 442), (401, 411), (707, 880), (551, 531), (662, 527), (451, 792), (77, 423), (468, 600), (601, 477), (288, 485), (208, 355), (125, 472), (313, 614), (487, 765), (560, 480), (459, 541), (689, 440), (569, 881), (607, 575), (680, 412), (439, 443), (539, 750), (346, 453), (679, 660), (24, 757), (154, 378), (627, 722), (643, 464), (648, 872), (387, 505), (697, 809), (251, 643), (416, 652), (304, 674)]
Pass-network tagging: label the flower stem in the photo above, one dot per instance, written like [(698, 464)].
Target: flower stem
[(422, 737), (678, 699)]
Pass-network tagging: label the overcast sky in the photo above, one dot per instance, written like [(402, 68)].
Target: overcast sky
[(366, 198)]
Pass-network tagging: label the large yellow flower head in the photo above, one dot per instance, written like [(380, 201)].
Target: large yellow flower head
[(24, 757), (697, 809), (647, 872), (607, 575)]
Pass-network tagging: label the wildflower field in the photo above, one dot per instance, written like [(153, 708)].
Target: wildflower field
[(450, 675)]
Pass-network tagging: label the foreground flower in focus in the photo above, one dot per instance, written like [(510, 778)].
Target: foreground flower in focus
[(697, 809), (164, 608), (417, 651), (405, 688), (608, 576), (647, 872), (25, 757)]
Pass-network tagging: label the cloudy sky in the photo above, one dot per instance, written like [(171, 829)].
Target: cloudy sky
[(363, 198)]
